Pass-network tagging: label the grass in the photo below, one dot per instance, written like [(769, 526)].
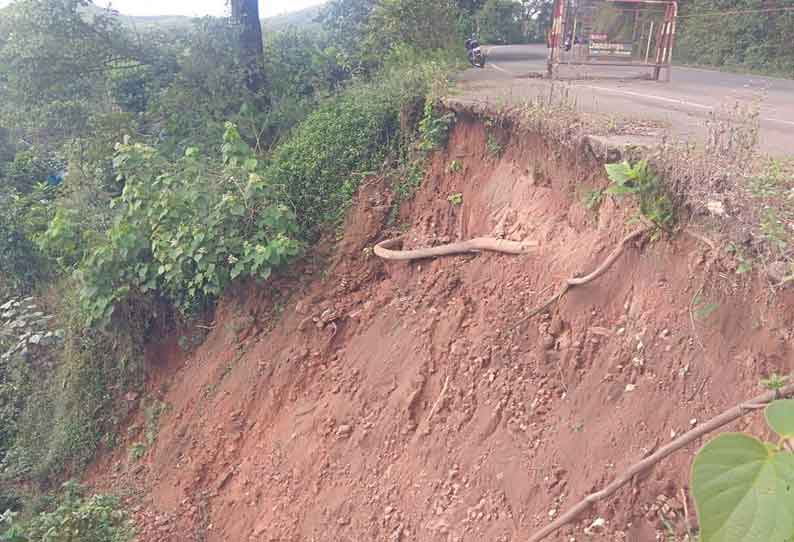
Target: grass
[(592, 199), (455, 167), (456, 199), (494, 147), (774, 230), (152, 413), (702, 308), (137, 451), (745, 264)]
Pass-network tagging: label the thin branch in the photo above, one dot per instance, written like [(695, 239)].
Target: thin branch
[(709, 264), (702, 238), (692, 318), (715, 423), (581, 281)]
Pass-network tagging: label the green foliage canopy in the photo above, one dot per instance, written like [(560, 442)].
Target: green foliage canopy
[(753, 40), (187, 229)]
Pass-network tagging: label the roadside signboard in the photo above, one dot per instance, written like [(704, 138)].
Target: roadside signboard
[(607, 49)]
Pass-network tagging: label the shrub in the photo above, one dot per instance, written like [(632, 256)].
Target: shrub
[(22, 218), (639, 180), (349, 136), (185, 230), (434, 127), (76, 518), (321, 164), (70, 406)]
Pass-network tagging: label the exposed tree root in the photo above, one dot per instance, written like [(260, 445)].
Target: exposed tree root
[(687, 438), (384, 249), (706, 272), (581, 281), (702, 238)]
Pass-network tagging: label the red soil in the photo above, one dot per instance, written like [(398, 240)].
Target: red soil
[(400, 402)]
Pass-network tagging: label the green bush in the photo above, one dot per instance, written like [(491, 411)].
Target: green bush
[(14, 389), (76, 518), (22, 218), (434, 127), (185, 230), (321, 164), (639, 180), (349, 136), (69, 407)]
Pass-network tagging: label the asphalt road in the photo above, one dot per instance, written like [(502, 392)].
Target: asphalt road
[(684, 104)]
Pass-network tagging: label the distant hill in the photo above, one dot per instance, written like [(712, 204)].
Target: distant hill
[(159, 21), (141, 22), (303, 18)]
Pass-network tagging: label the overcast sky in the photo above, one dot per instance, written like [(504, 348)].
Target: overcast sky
[(267, 8)]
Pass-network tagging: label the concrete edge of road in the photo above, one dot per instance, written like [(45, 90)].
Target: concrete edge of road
[(738, 74)]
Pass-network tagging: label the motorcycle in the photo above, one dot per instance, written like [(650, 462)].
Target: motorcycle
[(476, 54)]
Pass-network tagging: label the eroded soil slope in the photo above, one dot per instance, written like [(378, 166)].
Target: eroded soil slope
[(396, 402)]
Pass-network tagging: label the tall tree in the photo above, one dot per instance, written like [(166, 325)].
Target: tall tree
[(500, 21), (245, 13), (346, 22), (417, 23)]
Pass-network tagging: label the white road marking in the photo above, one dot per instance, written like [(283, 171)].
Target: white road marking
[(498, 67), (748, 76), (673, 100), (787, 122), (649, 96)]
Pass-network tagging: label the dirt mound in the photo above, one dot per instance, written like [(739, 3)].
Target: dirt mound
[(400, 401)]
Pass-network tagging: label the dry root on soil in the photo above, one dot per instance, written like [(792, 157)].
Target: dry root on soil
[(581, 281), (687, 438), (384, 249)]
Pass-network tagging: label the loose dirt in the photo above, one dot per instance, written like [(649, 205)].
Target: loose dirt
[(399, 401)]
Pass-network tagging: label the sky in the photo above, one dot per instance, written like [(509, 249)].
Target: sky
[(267, 8)]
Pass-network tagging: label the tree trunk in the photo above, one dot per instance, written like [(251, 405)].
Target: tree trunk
[(245, 13)]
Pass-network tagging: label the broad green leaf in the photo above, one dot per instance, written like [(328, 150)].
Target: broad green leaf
[(640, 169), (704, 311), (745, 266), (237, 270), (743, 492), (620, 190), (780, 417), (619, 173)]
